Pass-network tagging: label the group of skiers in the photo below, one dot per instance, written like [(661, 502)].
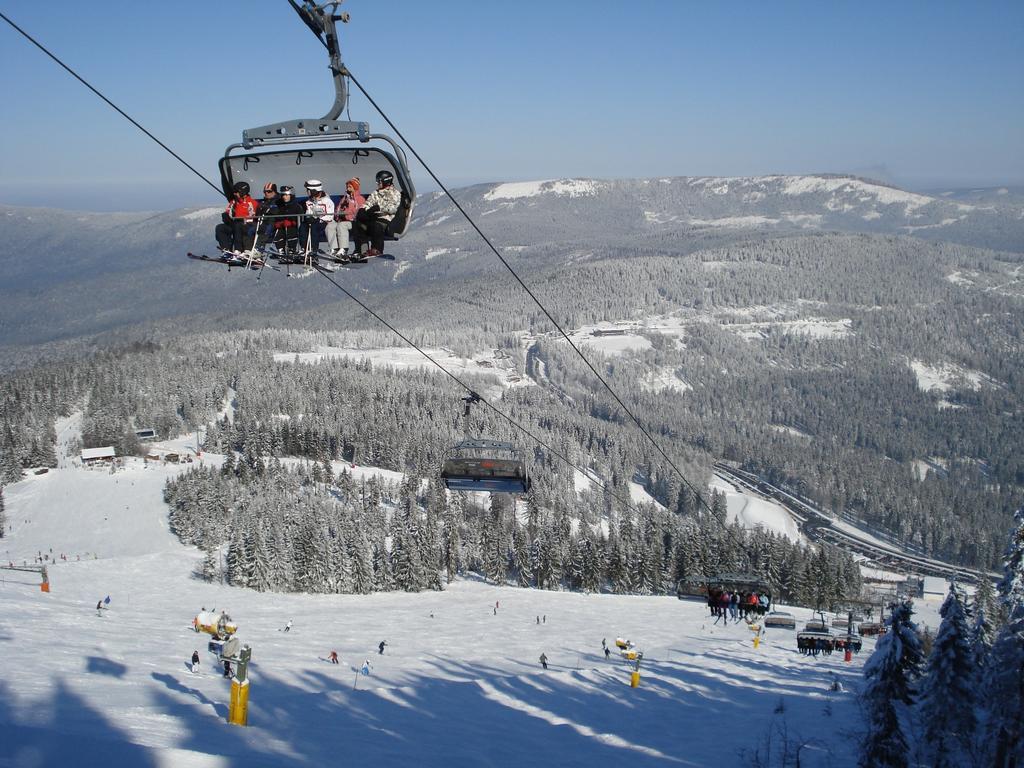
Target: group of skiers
[(810, 644), (737, 605), (297, 229)]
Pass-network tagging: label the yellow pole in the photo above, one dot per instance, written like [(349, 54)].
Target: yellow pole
[(757, 641), (238, 711), (634, 680)]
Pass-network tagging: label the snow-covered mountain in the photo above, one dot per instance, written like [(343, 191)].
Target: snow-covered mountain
[(74, 274)]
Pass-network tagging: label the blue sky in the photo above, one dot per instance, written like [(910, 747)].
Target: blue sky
[(925, 95)]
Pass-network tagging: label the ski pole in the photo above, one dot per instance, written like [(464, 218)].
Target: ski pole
[(255, 240)]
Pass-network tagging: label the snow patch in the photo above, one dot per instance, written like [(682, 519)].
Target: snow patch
[(566, 187), (734, 221), (816, 328), (945, 377), (803, 185), (202, 213), (663, 379)]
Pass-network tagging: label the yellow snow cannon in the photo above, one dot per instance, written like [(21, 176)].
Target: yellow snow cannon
[(219, 625)]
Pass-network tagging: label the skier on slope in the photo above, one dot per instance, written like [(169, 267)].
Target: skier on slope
[(380, 648), (333, 658), (544, 660), (288, 626), (195, 662)]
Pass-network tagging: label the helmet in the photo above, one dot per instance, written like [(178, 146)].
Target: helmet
[(315, 185), (385, 178), (287, 190), (242, 188)]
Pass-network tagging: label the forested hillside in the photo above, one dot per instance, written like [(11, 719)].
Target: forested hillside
[(880, 375)]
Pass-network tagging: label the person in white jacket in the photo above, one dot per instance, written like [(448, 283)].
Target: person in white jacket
[(318, 223)]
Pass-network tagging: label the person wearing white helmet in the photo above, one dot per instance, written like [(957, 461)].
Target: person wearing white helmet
[(319, 220)]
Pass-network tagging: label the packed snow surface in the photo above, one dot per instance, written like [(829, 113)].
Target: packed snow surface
[(459, 683)]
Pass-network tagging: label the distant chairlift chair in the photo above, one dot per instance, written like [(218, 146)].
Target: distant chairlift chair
[(485, 465)]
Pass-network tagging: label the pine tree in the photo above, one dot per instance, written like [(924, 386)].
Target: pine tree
[(890, 674), (948, 689), (1005, 670), (10, 467), (211, 566)]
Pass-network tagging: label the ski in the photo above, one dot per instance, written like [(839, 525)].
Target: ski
[(232, 260)]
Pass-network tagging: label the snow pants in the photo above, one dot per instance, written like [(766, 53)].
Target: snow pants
[(311, 234), (236, 236), (368, 228), (337, 235)]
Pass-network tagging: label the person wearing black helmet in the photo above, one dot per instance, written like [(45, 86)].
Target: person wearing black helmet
[(285, 214), (235, 232), (373, 218)]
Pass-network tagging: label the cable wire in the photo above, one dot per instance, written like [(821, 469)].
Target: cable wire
[(697, 494), (380, 319), (586, 473), (530, 293), (120, 111)]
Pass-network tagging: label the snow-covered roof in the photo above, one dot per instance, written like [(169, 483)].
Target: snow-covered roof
[(98, 453), (935, 585)]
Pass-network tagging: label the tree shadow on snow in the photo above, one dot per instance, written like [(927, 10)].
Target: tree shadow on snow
[(98, 665), (64, 731)]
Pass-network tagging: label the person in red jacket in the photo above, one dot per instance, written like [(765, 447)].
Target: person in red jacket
[(235, 232)]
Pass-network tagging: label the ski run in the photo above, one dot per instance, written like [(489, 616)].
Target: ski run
[(459, 682)]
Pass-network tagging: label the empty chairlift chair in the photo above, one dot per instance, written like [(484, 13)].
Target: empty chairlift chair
[(485, 465)]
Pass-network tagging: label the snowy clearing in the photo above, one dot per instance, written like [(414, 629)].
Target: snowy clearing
[(662, 379), (498, 366), (753, 511), (815, 328), (610, 338), (946, 376)]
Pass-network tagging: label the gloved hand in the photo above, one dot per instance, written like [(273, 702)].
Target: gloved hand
[(373, 210)]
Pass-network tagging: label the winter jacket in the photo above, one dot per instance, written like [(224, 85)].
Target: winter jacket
[(291, 208), (348, 205), (241, 208), (322, 208), (387, 200), (266, 205)]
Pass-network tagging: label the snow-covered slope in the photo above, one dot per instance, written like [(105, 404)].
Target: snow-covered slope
[(459, 683)]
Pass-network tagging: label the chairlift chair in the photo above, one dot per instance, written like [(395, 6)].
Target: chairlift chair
[(485, 465), (325, 148)]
